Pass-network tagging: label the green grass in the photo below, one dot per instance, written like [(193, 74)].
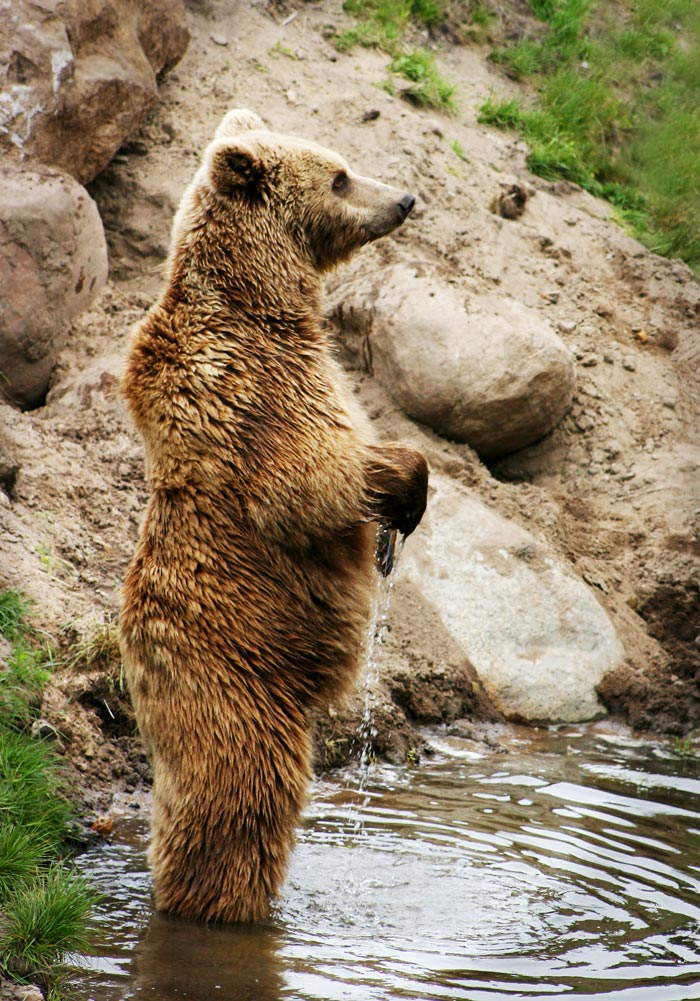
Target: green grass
[(46, 920), (384, 24), (28, 662), (617, 109), (427, 87), (43, 906)]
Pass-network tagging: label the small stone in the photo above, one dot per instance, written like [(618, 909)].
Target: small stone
[(291, 95), (608, 359), (629, 364), (670, 403), (589, 361), (219, 39), (371, 116), (602, 309), (566, 326), (552, 297), (45, 730), (584, 422)]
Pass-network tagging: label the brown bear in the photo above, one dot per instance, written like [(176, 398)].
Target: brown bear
[(247, 601)]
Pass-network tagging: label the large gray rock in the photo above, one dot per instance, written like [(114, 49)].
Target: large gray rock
[(53, 261), (78, 76), (536, 636), (488, 371)]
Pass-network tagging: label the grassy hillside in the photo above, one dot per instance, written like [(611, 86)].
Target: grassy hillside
[(617, 108), (616, 84)]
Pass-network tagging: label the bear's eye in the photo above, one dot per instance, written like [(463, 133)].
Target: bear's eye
[(341, 182)]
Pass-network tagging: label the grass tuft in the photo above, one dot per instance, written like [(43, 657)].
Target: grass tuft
[(383, 24), (427, 88), (14, 608), (28, 663), (45, 922)]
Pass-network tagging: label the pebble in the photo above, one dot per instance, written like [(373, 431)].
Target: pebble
[(566, 326), (629, 364), (584, 422), (589, 361), (219, 39), (45, 730)]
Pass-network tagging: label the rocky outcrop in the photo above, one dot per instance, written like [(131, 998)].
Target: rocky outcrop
[(78, 76), (76, 79), (535, 635), (53, 261), (488, 371)]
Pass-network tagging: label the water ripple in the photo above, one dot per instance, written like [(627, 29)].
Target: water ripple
[(572, 875)]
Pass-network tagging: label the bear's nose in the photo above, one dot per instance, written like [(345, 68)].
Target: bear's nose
[(406, 204)]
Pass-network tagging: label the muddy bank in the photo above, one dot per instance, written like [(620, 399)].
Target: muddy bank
[(612, 494)]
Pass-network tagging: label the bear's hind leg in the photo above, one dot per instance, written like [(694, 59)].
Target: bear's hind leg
[(221, 842)]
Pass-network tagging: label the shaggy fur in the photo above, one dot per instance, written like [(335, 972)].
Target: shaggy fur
[(246, 603)]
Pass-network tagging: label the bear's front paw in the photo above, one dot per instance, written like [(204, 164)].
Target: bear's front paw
[(397, 480)]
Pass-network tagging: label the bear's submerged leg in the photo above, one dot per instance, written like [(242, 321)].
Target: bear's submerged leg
[(220, 843)]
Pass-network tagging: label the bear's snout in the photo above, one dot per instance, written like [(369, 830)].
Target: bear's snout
[(405, 205)]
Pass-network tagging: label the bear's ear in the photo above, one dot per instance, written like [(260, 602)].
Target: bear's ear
[(236, 121), (235, 166)]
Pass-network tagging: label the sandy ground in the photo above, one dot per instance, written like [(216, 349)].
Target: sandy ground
[(615, 489)]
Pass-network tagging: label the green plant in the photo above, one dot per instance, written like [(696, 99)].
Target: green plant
[(14, 607), (99, 647), (456, 148), (51, 563), (31, 788), (685, 747), (427, 87), (278, 50), (22, 852), (383, 24), (44, 922), (28, 662)]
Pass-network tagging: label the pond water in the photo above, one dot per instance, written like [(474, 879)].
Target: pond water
[(565, 868)]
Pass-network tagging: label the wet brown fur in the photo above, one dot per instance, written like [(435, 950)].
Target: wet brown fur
[(246, 602)]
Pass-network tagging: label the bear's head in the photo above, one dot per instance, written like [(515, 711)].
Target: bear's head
[(290, 193)]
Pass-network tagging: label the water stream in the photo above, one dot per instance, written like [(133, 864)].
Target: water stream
[(565, 868)]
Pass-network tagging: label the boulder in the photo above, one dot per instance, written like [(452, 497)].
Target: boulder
[(53, 261), (78, 76), (536, 636), (487, 371)]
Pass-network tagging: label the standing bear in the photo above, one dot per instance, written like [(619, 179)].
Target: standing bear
[(247, 601)]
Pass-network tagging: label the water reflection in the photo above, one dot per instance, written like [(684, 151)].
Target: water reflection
[(178, 958), (568, 868)]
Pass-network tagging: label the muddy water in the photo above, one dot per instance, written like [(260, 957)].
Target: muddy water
[(565, 868)]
